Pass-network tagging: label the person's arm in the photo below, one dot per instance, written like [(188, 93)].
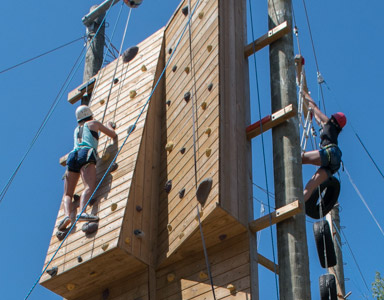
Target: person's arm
[(108, 130), (319, 115)]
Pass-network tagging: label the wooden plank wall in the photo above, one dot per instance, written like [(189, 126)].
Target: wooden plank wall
[(177, 215), (123, 110)]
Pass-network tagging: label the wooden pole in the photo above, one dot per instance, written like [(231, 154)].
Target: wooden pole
[(95, 52), (294, 283)]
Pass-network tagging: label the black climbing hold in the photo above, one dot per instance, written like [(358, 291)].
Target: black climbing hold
[(185, 10), (131, 128), (113, 167), (168, 102), (210, 86), (106, 294), (174, 68), (53, 271), (138, 233), (169, 50), (323, 236), (79, 259), (168, 186), (187, 96), (130, 54), (90, 227), (181, 193), (332, 189), (222, 237), (203, 190), (327, 284), (60, 234), (113, 125), (116, 80), (76, 197), (139, 208), (182, 150)]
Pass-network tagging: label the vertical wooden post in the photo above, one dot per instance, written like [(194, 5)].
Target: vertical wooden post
[(294, 283), (334, 221), (95, 52)]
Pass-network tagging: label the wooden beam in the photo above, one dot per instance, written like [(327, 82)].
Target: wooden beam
[(79, 92), (270, 121), (63, 160), (265, 262), (268, 38), (277, 216)]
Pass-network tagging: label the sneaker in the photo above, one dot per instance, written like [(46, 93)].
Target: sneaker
[(64, 223), (84, 217)]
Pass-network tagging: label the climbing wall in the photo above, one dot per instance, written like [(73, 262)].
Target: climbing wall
[(126, 201)]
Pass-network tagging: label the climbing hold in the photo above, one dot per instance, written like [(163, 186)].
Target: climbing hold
[(168, 102), (323, 237), (138, 233), (203, 190), (143, 68), (61, 234), (181, 193), (70, 286), (169, 227), (79, 259), (93, 274), (327, 284), (113, 206), (102, 102), (127, 240), (231, 288), (171, 277), (113, 167), (201, 15), (132, 94), (139, 208), (169, 146), (201, 214), (204, 105), (130, 54), (105, 156), (187, 96), (169, 50), (185, 10), (209, 48), (174, 68), (113, 125), (131, 128), (222, 237), (168, 186), (105, 294), (105, 246), (90, 227), (133, 3), (208, 152), (203, 275), (53, 271), (182, 150), (186, 70), (116, 80), (210, 86), (208, 131), (181, 235)]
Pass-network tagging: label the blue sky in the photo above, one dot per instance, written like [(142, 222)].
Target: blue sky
[(348, 47)]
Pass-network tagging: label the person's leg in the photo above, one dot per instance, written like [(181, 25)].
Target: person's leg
[(88, 175), (311, 157), (70, 182), (318, 178)]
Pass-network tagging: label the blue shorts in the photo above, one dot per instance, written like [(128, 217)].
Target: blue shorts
[(79, 158), (330, 159)]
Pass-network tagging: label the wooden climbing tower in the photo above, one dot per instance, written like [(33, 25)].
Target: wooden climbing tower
[(153, 230)]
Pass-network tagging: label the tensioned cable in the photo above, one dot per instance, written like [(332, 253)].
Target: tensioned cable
[(263, 148), (363, 200), (113, 161), (40, 55)]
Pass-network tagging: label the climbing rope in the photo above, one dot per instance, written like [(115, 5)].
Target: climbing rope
[(114, 159), (263, 148)]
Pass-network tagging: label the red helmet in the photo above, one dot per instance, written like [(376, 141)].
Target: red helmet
[(340, 118)]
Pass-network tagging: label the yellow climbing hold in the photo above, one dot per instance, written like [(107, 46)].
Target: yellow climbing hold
[(204, 105), (169, 146), (186, 69), (105, 246), (201, 214), (102, 102), (171, 277), (106, 156), (113, 206), (169, 227), (209, 48), (70, 286), (208, 152), (208, 131), (203, 275), (231, 288), (127, 240), (181, 235), (132, 94), (201, 15), (143, 68)]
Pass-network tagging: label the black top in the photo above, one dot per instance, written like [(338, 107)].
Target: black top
[(330, 133)]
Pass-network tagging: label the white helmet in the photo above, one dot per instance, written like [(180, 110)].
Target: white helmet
[(133, 3), (83, 112)]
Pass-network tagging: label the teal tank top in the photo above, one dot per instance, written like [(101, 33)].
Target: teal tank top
[(84, 139)]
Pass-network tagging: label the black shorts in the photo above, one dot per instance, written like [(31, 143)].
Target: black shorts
[(79, 158)]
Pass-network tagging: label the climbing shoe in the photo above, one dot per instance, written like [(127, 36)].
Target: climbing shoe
[(87, 218), (64, 223)]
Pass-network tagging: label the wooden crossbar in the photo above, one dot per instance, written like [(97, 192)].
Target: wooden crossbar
[(270, 121), (277, 216), (265, 262), (268, 38), (78, 93), (63, 160)]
